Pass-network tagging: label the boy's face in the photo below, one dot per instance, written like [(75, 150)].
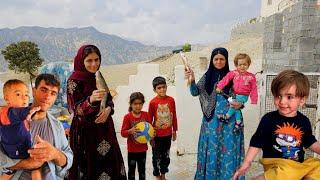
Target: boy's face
[(287, 102), (161, 90), (17, 95), (44, 95), (242, 65)]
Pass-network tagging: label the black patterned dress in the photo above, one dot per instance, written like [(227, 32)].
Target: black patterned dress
[(96, 150)]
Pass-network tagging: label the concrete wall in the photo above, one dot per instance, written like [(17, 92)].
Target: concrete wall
[(251, 28), (292, 40), (269, 9)]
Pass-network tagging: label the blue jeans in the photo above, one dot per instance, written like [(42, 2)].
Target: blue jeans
[(239, 98)]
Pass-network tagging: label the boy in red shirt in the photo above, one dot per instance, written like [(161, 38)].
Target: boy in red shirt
[(162, 113), (136, 151)]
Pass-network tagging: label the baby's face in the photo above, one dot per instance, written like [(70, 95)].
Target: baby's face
[(242, 65), (17, 95)]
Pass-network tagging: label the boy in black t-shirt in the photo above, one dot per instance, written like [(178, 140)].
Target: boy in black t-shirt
[(283, 134)]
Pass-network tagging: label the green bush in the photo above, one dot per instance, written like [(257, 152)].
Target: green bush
[(186, 47)]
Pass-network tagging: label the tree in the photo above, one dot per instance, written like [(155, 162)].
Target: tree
[(186, 47), (23, 57)]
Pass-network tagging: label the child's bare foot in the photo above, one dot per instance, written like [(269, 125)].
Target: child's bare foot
[(163, 176)]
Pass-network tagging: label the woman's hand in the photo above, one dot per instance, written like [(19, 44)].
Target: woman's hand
[(97, 95), (236, 105), (189, 74), (103, 115)]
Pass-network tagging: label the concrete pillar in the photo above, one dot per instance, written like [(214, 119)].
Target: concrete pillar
[(203, 63)]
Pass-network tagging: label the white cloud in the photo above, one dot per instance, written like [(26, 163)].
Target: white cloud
[(153, 22)]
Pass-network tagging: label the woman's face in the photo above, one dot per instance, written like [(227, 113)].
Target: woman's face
[(219, 61), (92, 62)]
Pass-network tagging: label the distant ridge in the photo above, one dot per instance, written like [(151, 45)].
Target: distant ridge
[(61, 44)]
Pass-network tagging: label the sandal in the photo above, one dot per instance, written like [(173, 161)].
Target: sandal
[(238, 126), (223, 118)]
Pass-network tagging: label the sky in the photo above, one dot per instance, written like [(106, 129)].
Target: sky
[(156, 22)]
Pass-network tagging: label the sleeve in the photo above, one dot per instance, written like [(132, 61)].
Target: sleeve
[(4, 119), (110, 103), (254, 91), (17, 115), (194, 90), (308, 138), (77, 103), (149, 120), (225, 80), (125, 127), (174, 118), (151, 112), (259, 135), (66, 150)]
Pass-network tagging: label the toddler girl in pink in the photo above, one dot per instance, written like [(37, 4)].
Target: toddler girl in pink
[(244, 85)]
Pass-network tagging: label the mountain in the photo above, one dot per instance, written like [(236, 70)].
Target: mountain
[(61, 44)]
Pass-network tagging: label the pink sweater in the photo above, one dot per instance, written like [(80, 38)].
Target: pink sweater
[(243, 84)]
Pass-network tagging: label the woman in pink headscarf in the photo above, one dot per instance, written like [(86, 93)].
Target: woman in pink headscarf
[(92, 135)]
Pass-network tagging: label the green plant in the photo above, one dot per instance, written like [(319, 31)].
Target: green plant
[(23, 57), (186, 47)]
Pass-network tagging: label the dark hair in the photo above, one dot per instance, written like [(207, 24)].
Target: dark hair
[(157, 81), (288, 78), (11, 82), (91, 49), (49, 79), (133, 97)]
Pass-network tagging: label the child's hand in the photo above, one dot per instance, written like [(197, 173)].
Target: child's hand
[(32, 111), (152, 142), (236, 105), (174, 136), (133, 130), (218, 90), (244, 167)]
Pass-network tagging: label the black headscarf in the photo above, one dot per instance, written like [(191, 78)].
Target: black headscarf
[(213, 75)]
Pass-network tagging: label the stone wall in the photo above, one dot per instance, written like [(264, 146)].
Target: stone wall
[(250, 28), (292, 40), (269, 7)]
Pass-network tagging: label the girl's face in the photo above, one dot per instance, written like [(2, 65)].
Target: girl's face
[(136, 106), (219, 61), (92, 62), (242, 65)]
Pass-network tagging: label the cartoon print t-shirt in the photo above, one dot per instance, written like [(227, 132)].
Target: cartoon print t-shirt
[(162, 113), (164, 117), (283, 137)]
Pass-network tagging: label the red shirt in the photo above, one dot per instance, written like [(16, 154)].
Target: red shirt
[(162, 112), (128, 122)]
